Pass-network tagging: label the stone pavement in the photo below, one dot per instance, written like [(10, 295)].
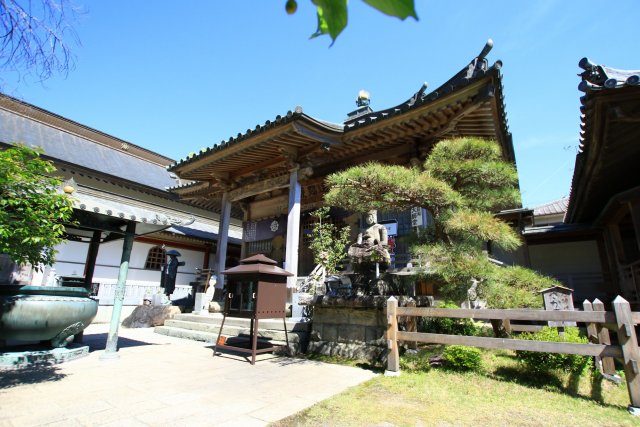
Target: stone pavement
[(162, 381)]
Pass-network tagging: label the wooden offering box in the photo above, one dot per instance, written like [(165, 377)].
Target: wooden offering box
[(256, 289)]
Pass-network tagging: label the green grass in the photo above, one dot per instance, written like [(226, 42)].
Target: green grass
[(502, 394)]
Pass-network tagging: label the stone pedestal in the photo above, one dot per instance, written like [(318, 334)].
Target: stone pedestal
[(352, 327), (201, 305)]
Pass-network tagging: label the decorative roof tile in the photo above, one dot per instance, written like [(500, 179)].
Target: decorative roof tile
[(598, 77)]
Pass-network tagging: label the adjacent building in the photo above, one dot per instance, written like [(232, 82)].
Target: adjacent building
[(117, 187)]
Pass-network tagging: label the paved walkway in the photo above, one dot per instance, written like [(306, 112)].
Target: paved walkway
[(162, 381)]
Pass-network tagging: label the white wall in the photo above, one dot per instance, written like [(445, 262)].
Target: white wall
[(72, 255)]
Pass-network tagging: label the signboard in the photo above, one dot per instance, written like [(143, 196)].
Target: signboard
[(264, 229), (391, 226), (392, 231), (558, 298), (416, 217)]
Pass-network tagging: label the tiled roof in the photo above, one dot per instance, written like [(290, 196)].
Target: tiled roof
[(279, 120), (71, 143), (471, 73), (552, 208), (476, 69)]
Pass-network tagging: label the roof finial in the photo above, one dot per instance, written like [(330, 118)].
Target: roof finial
[(363, 99)]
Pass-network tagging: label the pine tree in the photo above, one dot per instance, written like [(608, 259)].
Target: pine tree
[(463, 183)]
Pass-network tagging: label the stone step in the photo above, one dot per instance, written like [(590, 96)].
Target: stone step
[(232, 330), (293, 325), (210, 337)]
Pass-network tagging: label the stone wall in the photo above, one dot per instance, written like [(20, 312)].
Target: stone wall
[(353, 327)]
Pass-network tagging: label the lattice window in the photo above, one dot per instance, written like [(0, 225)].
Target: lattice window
[(308, 224), (155, 258), (259, 247)]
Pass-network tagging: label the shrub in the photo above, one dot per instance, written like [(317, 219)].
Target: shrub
[(538, 362), (445, 325), (462, 358)]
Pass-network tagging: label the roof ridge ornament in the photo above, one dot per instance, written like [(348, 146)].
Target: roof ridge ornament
[(364, 98), (480, 63), (174, 220), (598, 77)]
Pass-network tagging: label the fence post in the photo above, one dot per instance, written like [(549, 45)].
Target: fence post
[(393, 356), (592, 333), (629, 344), (412, 325), (608, 366)]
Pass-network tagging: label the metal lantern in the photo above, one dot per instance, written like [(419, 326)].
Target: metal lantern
[(256, 289)]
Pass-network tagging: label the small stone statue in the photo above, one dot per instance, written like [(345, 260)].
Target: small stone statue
[(169, 272), (372, 244)]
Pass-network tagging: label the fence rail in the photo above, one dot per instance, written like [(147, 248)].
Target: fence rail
[(621, 320)]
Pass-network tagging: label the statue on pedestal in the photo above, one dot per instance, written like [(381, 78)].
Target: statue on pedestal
[(371, 246)]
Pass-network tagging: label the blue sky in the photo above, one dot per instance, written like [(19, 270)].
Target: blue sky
[(175, 77)]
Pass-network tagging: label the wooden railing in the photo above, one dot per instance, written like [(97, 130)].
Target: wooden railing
[(621, 320)]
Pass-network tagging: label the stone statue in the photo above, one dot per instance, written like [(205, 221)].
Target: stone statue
[(371, 245), (169, 272)]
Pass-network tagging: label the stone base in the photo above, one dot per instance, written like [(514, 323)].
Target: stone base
[(356, 350), (36, 357), (215, 307), (354, 327)]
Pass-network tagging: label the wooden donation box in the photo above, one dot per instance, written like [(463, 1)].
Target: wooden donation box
[(256, 289)]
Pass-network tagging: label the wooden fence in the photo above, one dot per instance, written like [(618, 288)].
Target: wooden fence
[(621, 320)]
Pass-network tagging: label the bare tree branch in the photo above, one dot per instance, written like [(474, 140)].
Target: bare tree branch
[(36, 36)]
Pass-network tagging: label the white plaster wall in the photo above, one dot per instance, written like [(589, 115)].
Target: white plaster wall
[(72, 255)]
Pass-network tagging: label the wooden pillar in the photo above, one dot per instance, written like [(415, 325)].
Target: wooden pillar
[(246, 216), (618, 258), (92, 255), (293, 228), (207, 253), (110, 351), (634, 210), (393, 356), (629, 343), (223, 237)]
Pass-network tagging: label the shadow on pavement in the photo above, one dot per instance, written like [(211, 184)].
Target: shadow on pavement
[(99, 341), (32, 374)]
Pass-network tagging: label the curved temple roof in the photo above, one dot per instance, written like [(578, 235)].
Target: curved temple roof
[(471, 103)]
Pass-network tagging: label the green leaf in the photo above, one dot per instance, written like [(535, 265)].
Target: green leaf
[(332, 18), (399, 8)]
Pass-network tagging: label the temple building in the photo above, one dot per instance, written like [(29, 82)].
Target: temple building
[(273, 175), (595, 248), (117, 187), (605, 191)]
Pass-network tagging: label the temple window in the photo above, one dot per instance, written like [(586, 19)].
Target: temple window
[(155, 258)]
